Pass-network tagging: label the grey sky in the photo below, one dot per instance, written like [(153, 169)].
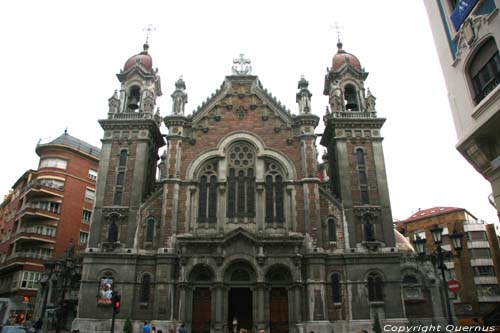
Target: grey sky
[(60, 59)]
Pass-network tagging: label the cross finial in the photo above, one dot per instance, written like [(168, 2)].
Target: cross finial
[(338, 28), (244, 66), (148, 30)]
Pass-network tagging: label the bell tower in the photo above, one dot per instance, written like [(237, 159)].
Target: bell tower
[(127, 170), (354, 152)]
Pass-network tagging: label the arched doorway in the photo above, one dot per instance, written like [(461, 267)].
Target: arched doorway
[(240, 277), (201, 277), (278, 278)]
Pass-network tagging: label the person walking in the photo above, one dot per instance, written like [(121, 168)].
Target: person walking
[(146, 328), (38, 325)]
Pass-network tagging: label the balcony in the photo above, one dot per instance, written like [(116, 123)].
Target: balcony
[(21, 258), (488, 299), (474, 227), (43, 188), (40, 211), (37, 234), (485, 280), (354, 115)]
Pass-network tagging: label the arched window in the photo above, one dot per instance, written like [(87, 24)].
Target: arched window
[(241, 181), (274, 191), (336, 288), (145, 288), (332, 230), (360, 157), (484, 70), (351, 98), (134, 98), (150, 230), (207, 198), (375, 287)]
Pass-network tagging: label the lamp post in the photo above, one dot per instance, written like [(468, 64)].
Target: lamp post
[(440, 254), (62, 273)]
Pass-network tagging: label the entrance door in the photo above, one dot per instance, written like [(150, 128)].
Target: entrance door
[(278, 310), (240, 308), (201, 310)]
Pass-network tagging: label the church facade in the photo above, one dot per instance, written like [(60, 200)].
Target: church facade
[(242, 228)]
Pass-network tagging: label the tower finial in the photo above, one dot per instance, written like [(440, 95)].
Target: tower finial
[(149, 29)]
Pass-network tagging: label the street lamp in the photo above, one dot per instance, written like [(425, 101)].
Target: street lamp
[(440, 254), (62, 273)]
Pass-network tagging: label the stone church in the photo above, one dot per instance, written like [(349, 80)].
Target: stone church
[(241, 227)]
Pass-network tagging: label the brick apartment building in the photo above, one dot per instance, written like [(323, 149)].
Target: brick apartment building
[(476, 266), (45, 209)]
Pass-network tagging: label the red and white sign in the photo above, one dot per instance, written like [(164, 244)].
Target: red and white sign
[(453, 285)]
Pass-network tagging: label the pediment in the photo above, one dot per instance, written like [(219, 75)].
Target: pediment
[(237, 97), (238, 235)]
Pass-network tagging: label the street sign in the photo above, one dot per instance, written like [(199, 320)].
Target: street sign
[(453, 285)]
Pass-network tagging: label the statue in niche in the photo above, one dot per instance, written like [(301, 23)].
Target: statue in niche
[(369, 229), (113, 231), (369, 232)]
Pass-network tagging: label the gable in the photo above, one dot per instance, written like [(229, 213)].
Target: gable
[(237, 97)]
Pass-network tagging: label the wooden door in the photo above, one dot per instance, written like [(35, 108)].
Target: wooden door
[(202, 310), (278, 310)]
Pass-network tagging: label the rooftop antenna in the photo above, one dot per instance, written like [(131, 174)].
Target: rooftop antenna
[(150, 28)]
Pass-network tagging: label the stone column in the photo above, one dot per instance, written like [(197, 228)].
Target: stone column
[(260, 308), (218, 317)]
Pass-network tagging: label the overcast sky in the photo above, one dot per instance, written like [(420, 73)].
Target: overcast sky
[(60, 58)]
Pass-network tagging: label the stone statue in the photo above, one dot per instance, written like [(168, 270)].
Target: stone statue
[(113, 232)]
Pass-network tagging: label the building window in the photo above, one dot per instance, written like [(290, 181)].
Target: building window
[(89, 194), (53, 163), (332, 230), (92, 174), (484, 70), (274, 193), (480, 253), (241, 181), (362, 176), (476, 236), (336, 288), (120, 177), (87, 215), (484, 270), (84, 237), (150, 230), (123, 158), (145, 288), (117, 200), (207, 195), (30, 280), (375, 288)]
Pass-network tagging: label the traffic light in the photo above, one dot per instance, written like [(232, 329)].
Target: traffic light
[(116, 302)]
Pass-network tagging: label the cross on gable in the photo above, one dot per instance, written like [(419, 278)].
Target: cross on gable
[(242, 66)]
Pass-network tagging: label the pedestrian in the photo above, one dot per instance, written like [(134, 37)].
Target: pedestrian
[(146, 328), (182, 329), (153, 329), (38, 325)]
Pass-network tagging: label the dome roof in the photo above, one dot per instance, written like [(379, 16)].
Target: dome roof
[(402, 244), (143, 58), (342, 57)]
